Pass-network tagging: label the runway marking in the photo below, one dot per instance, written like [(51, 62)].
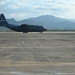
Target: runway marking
[(35, 46), (16, 38), (6, 43), (36, 73), (41, 64), (37, 42)]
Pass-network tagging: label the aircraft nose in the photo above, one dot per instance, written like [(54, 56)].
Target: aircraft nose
[(45, 29)]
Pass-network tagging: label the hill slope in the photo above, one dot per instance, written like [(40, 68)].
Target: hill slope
[(49, 21)]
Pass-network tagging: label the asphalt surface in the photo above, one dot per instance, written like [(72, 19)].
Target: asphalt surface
[(37, 53)]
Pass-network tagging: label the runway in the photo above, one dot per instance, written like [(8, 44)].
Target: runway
[(48, 53)]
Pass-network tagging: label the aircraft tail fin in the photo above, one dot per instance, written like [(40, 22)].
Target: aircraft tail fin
[(3, 21)]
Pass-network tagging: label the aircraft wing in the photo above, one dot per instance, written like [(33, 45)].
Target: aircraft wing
[(24, 26)]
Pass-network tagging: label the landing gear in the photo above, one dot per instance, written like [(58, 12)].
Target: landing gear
[(25, 32)]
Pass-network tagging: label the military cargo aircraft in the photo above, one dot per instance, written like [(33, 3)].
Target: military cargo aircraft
[(25, 28)]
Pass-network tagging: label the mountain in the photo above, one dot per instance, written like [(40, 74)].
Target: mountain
[(12, 21), (49, 21), (45, 20), (73, 20)]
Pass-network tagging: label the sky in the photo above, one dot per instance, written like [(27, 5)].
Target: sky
[(23, 9)]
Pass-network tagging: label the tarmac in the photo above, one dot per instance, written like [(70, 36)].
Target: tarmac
[(48, 53)]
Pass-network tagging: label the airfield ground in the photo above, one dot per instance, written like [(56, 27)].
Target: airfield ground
[(37, 54)]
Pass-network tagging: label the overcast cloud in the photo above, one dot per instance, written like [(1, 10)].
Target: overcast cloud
[(21, 9)]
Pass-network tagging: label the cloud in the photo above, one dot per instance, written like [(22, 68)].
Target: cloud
[(32, 8), (2, 3)]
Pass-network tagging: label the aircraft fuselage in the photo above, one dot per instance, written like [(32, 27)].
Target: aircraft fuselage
[(21, 28)]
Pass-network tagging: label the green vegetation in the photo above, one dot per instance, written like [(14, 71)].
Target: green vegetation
[(59, 30)]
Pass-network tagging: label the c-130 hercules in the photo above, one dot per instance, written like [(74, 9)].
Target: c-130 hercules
[(25, 28)]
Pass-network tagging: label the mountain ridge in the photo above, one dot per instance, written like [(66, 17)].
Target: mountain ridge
[(49, 21)]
